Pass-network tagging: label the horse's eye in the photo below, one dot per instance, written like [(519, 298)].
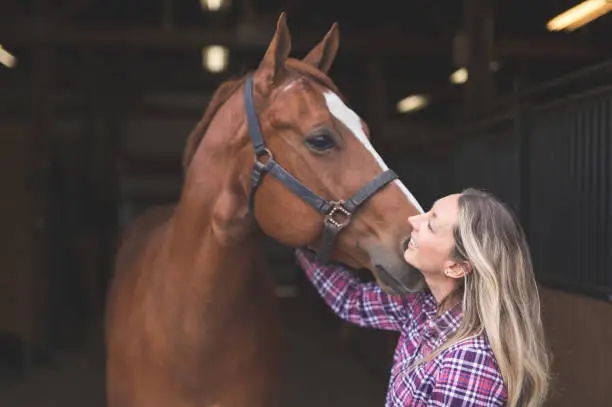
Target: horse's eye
[(321, 142)]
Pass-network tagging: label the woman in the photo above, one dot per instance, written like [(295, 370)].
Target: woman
[(474, 337)]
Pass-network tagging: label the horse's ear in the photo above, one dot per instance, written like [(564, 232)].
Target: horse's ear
[(322, 56), (278, 51)]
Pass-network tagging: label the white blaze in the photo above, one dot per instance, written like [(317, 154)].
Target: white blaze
[(350, 119)]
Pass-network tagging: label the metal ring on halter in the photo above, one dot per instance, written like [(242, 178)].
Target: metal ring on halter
[(264, 152), (338, 208)]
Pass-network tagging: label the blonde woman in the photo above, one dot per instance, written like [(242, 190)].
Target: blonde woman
[(474, 337)]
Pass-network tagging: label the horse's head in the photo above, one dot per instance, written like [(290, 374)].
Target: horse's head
[(313, 136)]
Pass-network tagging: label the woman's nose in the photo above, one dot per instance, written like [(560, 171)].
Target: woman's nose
[(413, 221)]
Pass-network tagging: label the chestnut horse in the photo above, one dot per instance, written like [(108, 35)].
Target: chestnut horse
[(191, 316)]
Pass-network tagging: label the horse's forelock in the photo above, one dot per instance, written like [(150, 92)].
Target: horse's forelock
[(312, 73)]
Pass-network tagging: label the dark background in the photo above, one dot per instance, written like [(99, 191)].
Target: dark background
[(94, 116)]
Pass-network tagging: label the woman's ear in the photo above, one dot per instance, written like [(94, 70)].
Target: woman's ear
[(458, 269)]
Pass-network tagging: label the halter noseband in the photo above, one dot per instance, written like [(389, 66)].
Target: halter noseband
[(336, 214)]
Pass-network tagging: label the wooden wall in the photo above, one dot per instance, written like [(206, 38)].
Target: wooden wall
[(579, 331)]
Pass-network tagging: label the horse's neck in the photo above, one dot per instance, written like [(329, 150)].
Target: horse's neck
[(212, 225)]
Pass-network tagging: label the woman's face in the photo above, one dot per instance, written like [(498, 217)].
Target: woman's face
[(432, 241)]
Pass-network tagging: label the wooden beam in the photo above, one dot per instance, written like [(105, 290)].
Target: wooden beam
[(478, 27), (373, 43), (154, 37), (42, 117)]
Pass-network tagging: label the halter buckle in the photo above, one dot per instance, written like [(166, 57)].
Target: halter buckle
[(338, 209)]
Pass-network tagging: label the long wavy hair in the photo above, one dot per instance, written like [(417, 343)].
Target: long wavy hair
[(500, 296)]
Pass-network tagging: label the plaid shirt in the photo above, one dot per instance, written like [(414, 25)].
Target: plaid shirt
[(464, 375)]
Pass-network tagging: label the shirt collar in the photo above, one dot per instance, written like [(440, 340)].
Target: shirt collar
[(446, 323)]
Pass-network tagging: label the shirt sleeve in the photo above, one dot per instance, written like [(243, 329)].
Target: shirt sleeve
[(468, 378), (364, 304)]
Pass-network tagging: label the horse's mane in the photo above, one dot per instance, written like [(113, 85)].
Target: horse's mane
[(227, 89), (222, 94)]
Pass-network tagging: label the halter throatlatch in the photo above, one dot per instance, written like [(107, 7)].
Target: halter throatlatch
[(336, 214)]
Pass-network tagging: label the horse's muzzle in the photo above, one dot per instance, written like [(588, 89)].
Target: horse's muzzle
[(400, 282)]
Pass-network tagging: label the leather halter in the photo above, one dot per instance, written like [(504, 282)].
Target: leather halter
[(336, 214)]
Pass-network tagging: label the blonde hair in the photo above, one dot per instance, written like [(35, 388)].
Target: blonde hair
[(500, 296)]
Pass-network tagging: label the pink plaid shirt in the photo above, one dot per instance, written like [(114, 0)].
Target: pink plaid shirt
[(464, 375)]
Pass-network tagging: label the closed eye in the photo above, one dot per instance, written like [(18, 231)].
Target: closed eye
[(321, 142)]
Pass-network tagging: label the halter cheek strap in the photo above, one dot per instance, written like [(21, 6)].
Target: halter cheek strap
[(336, 214)]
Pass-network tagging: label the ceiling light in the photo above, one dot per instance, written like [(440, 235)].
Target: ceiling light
[(580, 15), (215, 58), (459, 76), (213, 5), (412, 103), (7, 59)]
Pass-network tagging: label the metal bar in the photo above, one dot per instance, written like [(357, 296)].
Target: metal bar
[(591, 253), (579, 192), (607, 184), (562, 80), (557, 103), (569, 190), (598, 162), (588, 257), (599, 191)]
